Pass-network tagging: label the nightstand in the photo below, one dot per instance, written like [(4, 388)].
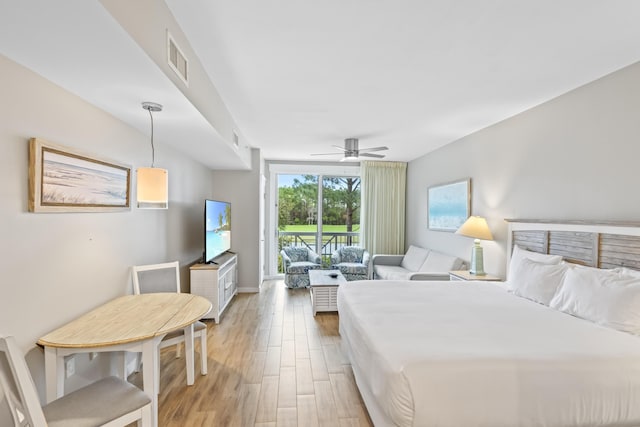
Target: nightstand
[(465, 275)]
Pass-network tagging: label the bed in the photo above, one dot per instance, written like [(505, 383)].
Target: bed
[(477, 354)]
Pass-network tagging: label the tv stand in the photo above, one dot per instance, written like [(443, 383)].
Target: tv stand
[(217, 282)]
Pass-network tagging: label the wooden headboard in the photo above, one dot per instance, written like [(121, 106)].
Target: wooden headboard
[(595, 244)]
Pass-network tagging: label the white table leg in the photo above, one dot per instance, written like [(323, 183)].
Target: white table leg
[(149, 378), (188, 353), (203, 353), (54, 374), (118, 364)]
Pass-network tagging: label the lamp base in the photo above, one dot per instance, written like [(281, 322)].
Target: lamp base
[(477, 264)]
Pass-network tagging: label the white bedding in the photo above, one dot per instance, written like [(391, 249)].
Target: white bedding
[(485, 357)]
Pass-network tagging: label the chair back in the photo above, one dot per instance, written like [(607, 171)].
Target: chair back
[(19, 402), (297, 253), (156, 278), (351, 254)]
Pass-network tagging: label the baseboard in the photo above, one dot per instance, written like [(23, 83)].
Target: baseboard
[(248, 290)]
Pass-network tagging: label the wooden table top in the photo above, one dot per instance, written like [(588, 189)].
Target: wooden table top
[(128, 319)]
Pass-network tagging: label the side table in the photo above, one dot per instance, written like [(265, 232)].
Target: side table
[(324, 289)]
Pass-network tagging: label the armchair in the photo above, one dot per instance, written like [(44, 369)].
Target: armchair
[(353, 262), (296, 262)]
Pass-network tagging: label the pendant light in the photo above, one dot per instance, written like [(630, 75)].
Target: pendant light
[(153, 183)]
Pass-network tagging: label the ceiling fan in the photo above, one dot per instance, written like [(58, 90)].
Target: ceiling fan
[(351, 151)]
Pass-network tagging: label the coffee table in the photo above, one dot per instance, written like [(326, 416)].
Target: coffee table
[(324, 289)]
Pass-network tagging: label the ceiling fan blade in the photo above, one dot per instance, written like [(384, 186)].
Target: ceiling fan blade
[(326, 154), (364, 150), (379, 156), (339, 148)]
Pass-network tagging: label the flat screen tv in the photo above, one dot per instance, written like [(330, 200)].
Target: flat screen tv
[(217, 228)]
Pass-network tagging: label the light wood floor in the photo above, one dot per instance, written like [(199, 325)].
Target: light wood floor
[(271, 363)]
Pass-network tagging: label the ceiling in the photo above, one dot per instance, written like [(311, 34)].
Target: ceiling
[(299, 77)]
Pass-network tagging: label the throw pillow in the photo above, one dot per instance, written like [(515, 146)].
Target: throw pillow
[(437, 262), (604, 297), (519, 254), (537, 281), (414, 258)]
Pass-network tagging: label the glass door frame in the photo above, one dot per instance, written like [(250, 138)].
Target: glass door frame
[(276, 169)]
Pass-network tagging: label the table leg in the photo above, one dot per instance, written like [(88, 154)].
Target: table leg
[(118, 364), (54, 374), (188, 353), (149, 375), (313, 302)]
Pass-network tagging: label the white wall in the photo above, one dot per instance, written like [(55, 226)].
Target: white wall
[(58, 266), (242, 190), (574, 157)]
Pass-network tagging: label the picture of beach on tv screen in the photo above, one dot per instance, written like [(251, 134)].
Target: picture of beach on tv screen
[(217, 228)]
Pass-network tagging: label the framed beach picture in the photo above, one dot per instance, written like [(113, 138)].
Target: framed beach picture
[(62, 179), (449, 205)]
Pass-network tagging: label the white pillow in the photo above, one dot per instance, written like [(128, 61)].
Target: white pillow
[(437, 261), (414, 258), (538, 281), (624, 271), (519, 254), (605, 297)]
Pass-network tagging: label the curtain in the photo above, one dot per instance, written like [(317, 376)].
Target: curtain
[(383, 206)]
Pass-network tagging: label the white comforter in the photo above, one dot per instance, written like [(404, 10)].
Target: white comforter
[(470, 354)]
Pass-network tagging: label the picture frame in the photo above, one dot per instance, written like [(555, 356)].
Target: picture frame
[(62, 179), (449, 205)]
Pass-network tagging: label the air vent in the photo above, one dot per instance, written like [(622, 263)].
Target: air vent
[(177, 61)]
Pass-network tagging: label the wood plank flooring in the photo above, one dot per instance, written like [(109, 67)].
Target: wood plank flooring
[(271, 363)]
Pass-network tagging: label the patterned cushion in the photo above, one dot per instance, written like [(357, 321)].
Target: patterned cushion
[(297, 254), (352, 268), (351, 254), (301, 267)]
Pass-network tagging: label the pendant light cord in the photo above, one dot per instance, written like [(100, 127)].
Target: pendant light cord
[(153, 150)]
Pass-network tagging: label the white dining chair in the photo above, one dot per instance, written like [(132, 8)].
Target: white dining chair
[(107, 402), (165, 277)]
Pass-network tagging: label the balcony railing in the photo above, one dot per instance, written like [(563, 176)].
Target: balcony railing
[(331, 242)]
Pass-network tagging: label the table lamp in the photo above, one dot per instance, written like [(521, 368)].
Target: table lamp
[(476, 227)]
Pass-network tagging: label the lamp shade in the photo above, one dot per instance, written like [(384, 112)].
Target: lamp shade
[(476, 227), (153, 188)]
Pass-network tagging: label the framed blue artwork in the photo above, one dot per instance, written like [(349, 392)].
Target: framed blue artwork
[(449, 205)]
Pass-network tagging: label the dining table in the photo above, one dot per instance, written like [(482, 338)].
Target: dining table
[(130, 323)]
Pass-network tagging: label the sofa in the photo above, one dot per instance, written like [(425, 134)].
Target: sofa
[(297, 261), (417, 264), (352, 261)]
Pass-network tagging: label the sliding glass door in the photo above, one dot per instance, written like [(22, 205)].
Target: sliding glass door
[(317, 211), (340, 213), (297, 212)]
